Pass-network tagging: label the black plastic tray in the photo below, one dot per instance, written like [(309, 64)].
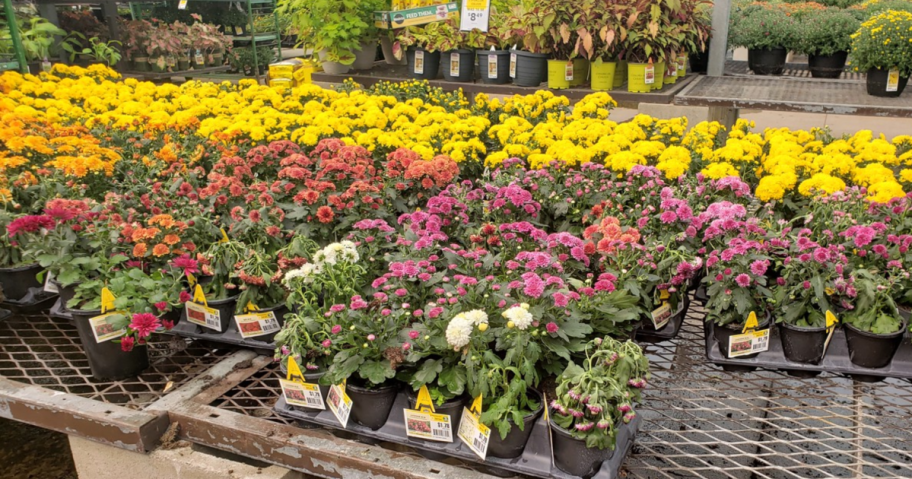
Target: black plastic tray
[(535, 460), (669, 331), (36, 301), (59, 311), (836, 359), (231, 336), (5, 313)]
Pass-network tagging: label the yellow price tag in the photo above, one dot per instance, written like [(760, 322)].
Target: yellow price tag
[(199, 296), (476, 406), (294, 371), (751, 323), (476, 4), (831, 319), (224, 236), (251, 307), (424, 402), (107, 300)]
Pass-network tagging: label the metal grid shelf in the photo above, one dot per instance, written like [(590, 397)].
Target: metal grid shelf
[(793, 70), (46, 352), (701, 421)]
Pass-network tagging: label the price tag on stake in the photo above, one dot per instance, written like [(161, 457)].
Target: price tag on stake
[(419, 62), (750, 340), (454, 64), (256, 324), (661, 315), (649, 74), (107, 300), (893, 80), (339, 403), (423, 423), (472, 432), (512, 64), (182, 5), (492, 66), (297, 391), (831, 322), (50, 287), (199, 312), (568, 71), (104, 327)]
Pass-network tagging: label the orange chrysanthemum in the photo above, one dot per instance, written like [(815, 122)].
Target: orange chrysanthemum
[(171, 240), (140, 250), (161, 249)]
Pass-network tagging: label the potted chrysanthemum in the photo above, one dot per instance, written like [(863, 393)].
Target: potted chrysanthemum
[(882, 48), (593, 400)]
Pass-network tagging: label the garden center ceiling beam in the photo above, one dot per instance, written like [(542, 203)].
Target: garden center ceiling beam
[(109, 424)]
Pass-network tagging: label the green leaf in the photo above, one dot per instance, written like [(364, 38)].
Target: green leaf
[(376, 372), (427, 372)]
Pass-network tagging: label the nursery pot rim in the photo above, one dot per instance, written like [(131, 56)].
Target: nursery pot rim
[(413, 396), (868, 334), (803, 329), (23, 267), (524, 53), (566, 433), (370, 390)]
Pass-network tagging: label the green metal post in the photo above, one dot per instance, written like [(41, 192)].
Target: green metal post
[(14, 34)]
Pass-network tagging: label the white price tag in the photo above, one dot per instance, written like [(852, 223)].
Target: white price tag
[(302, 394), (339, 403), (492, 66), (454, 64), (474, 434), (661, 315), (893, 80), (748, 343), (512, 64), (103, 327), (430, 426), (475, 14), (568, 71), (419, 62), (650, 77), (182, 5), (50, 287), (256, 324), (203, 316)]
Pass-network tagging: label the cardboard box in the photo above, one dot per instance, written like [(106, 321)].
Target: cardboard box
[(282, 83), (285, 69), (388, 19)]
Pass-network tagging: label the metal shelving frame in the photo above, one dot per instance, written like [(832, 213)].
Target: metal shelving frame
[(20, 62)]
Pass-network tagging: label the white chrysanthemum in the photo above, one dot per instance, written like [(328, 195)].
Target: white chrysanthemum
[(520, 316), (459, 331), (476, 317), (335, 252), (305, 274)]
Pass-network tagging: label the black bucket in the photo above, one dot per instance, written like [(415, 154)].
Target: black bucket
[(226, 313), (531, 68), (463, 60), (876, 83), (371, 406), (803, 345), (573, 457), (494, 66), (827, 66), (430, 67), (767, 61), (66, 293), (870, 350), (107, 361), (513, 445), (16, 281), (699, 62), (723, 333)]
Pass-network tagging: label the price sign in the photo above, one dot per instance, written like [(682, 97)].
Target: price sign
[(475, 14), (423, 423), (454, 64), (750, 341), (256, 324), (339, 403), (472, 432), (50, 287), (893, 80), (512, 64), (199, 312), (661, 315), (650, 74), (492, 66), (108, 326), (419, 62)]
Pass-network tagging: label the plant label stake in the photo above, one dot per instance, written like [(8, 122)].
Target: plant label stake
[(297, 392), (111, 325), (339, 403), (492, 66), (661, 315), (421, 422), (472, 432), (547, 421), (454, 64), (513, 64), (50, 287), (750, 340), (649, 73), (199, 312), (831, 321), (568, 71), (893, 80), (182, 5), (419, 62), (256, 324)]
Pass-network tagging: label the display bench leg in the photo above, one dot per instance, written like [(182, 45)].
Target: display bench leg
[(725, 115)]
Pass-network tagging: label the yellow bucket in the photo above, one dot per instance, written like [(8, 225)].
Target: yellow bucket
[(557, 74), (682, 65), (580, 71), (620, 73), (636, 78), (603, 75), (659, 76)]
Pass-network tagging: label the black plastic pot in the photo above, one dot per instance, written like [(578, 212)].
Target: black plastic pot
[(512, 446), (699, 62), (827, 66), (431, 63), (871, 350), (876, 83), (494, 74), (723, 333), (767, 61), (66, 292), (371, 406), (802, 345), (107, 360), (16, 281), (465, 71), (531, 68), (226, 312), (573, 457)]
